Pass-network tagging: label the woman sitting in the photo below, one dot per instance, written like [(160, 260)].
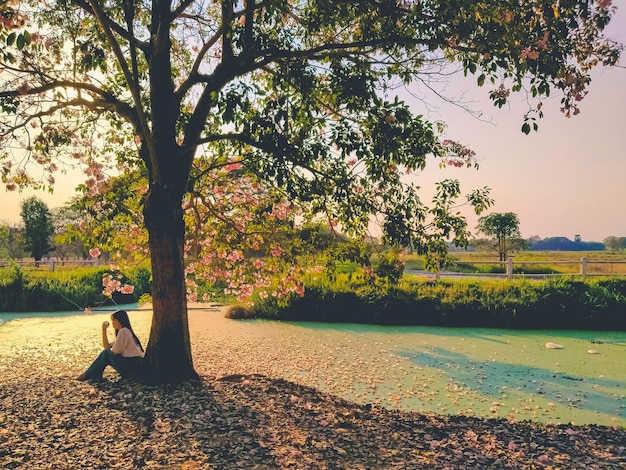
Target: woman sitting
[(125, 354)]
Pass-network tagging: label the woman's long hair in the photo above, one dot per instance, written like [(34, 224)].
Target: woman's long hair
[(122, 317)]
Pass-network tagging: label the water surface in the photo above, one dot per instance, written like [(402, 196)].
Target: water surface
[(472, 371)]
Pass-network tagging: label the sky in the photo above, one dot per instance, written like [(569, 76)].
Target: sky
[(567, 179)]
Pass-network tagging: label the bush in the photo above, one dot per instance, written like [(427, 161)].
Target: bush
[(39, 291), (564, 303)]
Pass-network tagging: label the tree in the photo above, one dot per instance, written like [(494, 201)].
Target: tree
[(38, 229), (293, 92), (504, 227), (4, 238), (613, 243), (66, 243)]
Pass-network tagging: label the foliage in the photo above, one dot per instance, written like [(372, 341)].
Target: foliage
[(77, 289), (66, 243), (565, 244), (565, 303), (615, 243), (38, 228), (390, 266), (12, 243), (298, 94), (504, 227)]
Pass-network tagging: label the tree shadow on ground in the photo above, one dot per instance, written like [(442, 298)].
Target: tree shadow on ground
[(254, 422), (491, 377)]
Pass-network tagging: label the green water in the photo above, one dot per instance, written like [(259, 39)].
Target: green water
[(471, 371), (480, 372)]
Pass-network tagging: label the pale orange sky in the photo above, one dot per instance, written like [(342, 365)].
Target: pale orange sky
[(567, 179)]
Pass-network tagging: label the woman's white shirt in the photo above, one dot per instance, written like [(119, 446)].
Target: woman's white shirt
[(125, 344)]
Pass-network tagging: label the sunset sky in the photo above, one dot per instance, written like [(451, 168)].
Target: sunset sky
[(567, 179)]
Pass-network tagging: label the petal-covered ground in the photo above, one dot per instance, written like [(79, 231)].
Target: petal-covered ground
[(242, 413)]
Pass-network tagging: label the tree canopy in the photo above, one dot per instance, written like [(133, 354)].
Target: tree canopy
[(504, 227), (298, 95), (38, 229)]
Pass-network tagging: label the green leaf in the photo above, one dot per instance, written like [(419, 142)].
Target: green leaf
[(526, 128), (481, 79), (11, 39)]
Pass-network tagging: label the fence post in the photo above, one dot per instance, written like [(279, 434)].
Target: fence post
[(509, 267), (583, 267), (51, 265)]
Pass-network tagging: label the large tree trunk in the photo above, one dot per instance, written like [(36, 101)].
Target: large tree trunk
[(168, 354)]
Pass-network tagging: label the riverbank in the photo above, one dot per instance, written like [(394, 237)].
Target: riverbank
[(241, 414)]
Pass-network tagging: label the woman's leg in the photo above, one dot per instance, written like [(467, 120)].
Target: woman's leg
[(125, 366), (95, 370)]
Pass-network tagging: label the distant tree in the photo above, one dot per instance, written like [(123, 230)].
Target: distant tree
[(38, 228), (481, 244), (66, 243), (503, 227), (4, 236), (615, 243), (565, 244), (15, 244)]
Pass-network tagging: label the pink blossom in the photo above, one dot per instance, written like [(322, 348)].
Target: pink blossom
[(94, 252), (543, 458), (542, 44), (300, 290), (512, 445), (127, 289), (276, 251), (529, 54), (235, 256), (233, 166)]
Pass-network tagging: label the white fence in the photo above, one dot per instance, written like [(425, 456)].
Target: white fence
[(52, 263), (583, 270)]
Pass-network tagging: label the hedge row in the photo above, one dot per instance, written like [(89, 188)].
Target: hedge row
[(34, 291), (565, 303)]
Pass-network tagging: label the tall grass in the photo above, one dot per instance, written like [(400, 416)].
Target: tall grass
[(32, 290), (563, 303)]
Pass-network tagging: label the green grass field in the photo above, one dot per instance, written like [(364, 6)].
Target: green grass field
[(549, 262)]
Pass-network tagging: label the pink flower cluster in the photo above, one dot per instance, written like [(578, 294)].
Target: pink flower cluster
[(113, 284)]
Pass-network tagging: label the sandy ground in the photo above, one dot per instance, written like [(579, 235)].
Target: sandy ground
[(257, 406)]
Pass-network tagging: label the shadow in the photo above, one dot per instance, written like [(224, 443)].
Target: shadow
[(490, 377), (254, 422)]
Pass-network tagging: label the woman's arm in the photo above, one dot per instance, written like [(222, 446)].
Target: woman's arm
[(105, 338)]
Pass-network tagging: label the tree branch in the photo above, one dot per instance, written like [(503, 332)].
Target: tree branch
[(127, 35), (133, 86)]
